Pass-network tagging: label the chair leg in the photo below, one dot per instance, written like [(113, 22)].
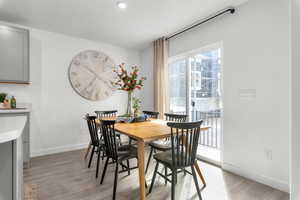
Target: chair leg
[(153, 178), (149, 159), (128, 166), (196, 182), (184, 172), (166, 175), (120, 140), (87, 151), (91, 158), (122, 165), (116, 181), (104, 170), (103, 152), (174, 172), (98, 160), (196, 166)]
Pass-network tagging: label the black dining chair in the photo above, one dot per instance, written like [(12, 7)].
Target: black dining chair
[(96, 143), (109, 113), (165, 144), (176, 117), (151, 114), (102, 114), (184, 142), (118, 154), (106, 113)]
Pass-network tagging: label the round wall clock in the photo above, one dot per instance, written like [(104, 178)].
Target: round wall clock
[(91, 73)]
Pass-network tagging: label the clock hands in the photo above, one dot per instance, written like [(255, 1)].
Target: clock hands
[(99, 77), (89, 85)]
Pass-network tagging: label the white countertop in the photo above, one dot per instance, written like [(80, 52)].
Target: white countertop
[(11, 127), (7, 111)]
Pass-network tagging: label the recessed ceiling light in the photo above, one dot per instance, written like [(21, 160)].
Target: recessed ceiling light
[(122, 4)]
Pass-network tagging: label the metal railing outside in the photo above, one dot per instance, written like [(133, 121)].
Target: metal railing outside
[(211, 137)]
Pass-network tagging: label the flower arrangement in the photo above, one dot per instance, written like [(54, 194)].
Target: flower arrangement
[(128, 81)]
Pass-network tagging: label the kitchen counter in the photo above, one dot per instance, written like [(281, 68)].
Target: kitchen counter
[(11, 156), (24, 110), (11, 128), (17, 110)]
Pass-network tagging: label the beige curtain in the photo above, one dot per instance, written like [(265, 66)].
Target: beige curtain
[(161, 96)]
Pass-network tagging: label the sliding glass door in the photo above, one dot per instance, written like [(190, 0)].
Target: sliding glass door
[(178, 86), (195, 88)]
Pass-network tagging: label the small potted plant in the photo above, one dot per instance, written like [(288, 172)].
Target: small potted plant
[(2, 99), (136, 106)]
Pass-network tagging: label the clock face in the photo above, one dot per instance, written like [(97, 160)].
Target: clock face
[(91, 73)]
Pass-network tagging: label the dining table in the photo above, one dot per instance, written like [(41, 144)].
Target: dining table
[(143, 133)]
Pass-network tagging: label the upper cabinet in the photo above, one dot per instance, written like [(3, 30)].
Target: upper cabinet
[(14, 55)]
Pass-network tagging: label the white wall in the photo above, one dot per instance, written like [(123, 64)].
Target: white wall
[(295, 194), (57, 111), (256, 56)]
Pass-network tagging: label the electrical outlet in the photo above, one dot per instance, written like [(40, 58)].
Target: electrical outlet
[(268, 154)]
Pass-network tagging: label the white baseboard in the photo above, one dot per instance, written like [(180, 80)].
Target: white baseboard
[(54, 150), (209, 160), (277, 184)]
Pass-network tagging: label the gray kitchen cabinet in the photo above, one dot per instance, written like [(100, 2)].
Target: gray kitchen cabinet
[(6, 171), (11, 157), (26, 142), (14, 55)]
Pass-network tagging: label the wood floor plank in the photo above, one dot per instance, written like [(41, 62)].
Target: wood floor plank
[(65, 176)]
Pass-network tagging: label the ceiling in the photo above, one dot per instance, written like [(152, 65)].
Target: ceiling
[(101, 20)]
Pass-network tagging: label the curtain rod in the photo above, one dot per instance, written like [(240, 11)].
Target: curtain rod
[(222, 12)]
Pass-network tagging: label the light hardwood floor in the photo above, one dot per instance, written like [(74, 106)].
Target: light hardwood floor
[(65, 176)]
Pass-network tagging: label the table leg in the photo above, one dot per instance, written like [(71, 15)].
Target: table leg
[(200, 174), (141, 164)]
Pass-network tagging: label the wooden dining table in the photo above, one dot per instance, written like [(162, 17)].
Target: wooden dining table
[(144, 132)]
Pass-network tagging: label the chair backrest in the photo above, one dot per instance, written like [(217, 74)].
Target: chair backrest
[(151, 114), (176, 117), (109, 135), (107, 113), (93, 129), (184, 141)]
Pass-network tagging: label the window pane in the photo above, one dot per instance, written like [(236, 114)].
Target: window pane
[(177, 86), (205, 80)]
